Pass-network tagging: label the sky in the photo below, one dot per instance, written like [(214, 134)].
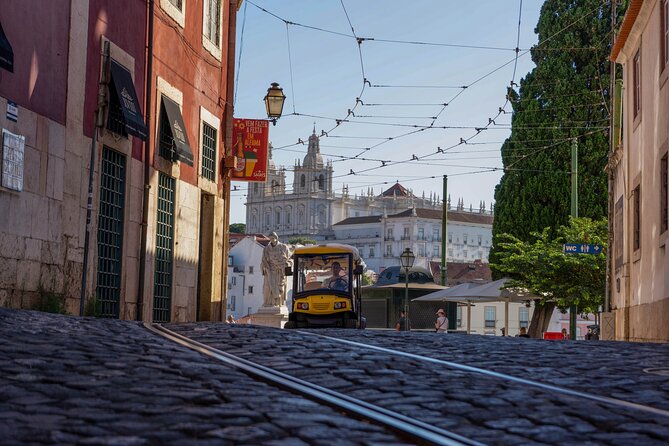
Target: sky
[(410, 67)]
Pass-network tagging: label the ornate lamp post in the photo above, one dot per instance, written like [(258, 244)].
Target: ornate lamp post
[(407, 258), (274, 102)]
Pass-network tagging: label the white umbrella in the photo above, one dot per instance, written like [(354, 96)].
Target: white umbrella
[(493, 292)]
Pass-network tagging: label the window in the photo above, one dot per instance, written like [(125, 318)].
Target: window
[(371, 251), (435, 250), (421, 251), (490, 317), (435, 234), (177, 4), (233, 280), (450, 238), (230, 260), (303, 181), (250, 289), (389, 251), (459, 316), (321, 182), (212, 21), (406, 234), (389, 234), (636, 80), (618, 233), (523, 317), (255, 188), (173, 140), (289, 211), (450, 253), (664, 211), (208, 152), (250, 269), (464, 239), (664, 37), (480, 239), (233, 302), (465, 253), (277, 218), (636, 231), (421, 234)]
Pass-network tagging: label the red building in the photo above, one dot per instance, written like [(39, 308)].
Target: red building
[(77, 81)]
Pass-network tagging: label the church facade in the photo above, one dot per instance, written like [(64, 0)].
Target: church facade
[(311, 207)]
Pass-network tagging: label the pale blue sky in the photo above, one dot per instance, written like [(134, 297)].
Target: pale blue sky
[(327, 77)]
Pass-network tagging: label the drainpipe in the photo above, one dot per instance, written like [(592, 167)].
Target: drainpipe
[(227, 144), (98, 122), (143, 245)]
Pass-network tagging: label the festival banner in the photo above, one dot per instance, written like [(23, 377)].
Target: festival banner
[(250, 140)]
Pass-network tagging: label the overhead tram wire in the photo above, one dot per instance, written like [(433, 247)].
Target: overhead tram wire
[(241, 50), (421, 129)]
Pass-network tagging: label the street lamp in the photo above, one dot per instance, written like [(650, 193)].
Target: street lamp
[(407, 258), (274, 102)]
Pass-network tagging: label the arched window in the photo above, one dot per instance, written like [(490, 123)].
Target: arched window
[(277, 216), (300, 215), (321, 215), (255, 188), (321, 182), (289, 211), (303, 181)]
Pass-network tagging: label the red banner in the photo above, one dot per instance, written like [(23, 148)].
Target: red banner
[(250, 139)]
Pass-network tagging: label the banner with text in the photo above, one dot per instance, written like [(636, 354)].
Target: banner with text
[(249, 146)]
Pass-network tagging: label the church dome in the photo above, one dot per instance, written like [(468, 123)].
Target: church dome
[(313, 158)]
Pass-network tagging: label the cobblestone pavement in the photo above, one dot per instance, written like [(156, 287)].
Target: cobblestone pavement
[(67, 380), (483, 408)]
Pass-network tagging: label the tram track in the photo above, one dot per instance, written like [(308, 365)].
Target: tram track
[(465, 396), (491, 373), (405, 426)]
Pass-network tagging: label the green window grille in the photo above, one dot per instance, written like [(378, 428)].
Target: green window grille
[(162, 284), (110, 233), (208, 152)]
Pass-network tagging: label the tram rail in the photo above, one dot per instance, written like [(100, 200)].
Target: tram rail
[(405, 426), (490, 373)]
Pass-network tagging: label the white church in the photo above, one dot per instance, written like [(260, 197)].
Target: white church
[(313, 210)]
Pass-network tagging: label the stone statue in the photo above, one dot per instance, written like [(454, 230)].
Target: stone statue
[(275, 258)]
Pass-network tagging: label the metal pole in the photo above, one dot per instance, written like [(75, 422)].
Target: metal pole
[(469, 316), (574, 213), (406, 298), (89, 210), (612, 143), (444, 228)]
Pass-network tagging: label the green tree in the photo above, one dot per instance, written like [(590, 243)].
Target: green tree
[(238, 228), (565, 97), (302, 241), (560, 279)]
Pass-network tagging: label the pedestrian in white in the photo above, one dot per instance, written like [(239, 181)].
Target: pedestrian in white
[(441, 324)]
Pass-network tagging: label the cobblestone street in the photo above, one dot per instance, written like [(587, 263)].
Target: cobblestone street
[(67, 380)]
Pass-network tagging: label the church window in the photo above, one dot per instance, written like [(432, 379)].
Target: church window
[(321, 215), (371, 251), (289, 211), (303, 181), (321, 182), (255, 188), (277, 217)]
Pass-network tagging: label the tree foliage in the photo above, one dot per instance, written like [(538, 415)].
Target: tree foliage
[(564, 97), (301, 241), (542, 267), (238, 228)]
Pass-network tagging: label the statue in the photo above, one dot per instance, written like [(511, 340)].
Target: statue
[(275, 258)]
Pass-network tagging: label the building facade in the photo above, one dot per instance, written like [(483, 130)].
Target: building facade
[(311, 206), (382, 238), (639, 168), (154, 246)]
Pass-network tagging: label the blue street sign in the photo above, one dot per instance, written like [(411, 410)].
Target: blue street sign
[(581, 248)]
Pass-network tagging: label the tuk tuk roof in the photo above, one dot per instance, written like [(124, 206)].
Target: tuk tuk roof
[(328, 248)]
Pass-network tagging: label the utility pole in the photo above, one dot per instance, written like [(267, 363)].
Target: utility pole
[(574, 213), (444, 228)]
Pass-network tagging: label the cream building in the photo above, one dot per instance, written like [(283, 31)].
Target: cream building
[(310, 207), (640, 168)]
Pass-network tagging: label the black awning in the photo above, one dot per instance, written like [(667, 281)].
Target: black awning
[(6, 52), (127, 97), (181, 147)]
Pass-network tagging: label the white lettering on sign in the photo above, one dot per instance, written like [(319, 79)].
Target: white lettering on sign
[(13, 147)]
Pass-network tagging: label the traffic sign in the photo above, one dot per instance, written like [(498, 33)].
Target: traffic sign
[(581, 248)]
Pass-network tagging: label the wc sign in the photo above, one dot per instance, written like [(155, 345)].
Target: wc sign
[(581, 248)]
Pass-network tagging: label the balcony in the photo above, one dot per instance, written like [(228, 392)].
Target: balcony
[(389, 239)]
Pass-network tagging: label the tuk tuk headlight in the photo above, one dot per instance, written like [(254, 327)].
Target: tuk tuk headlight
[(339, 305), (302, 306)]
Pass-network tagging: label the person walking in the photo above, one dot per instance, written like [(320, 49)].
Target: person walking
[(402, 323), (441, 324)]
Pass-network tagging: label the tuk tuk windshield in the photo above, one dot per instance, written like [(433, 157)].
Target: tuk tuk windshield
[(323, 271)]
